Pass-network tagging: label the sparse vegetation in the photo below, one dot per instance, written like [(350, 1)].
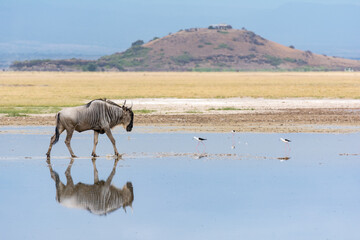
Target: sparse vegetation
[(91, 67), (229, 109), (292, 60), (272, 60), (132, 57), (218, 69), (30, 63), (193, 111), (183, 59), (224, 46), (137, 43), (235, 51), (308, 53), (69, 89), (23, 111), (144, 111)]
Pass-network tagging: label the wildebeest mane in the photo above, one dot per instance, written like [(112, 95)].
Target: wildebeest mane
[(104, 100)]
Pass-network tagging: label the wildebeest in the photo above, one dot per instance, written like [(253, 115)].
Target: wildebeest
[(100, 115), (99, 198)]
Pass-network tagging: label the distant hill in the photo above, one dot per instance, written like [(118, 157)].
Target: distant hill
[(201, 49)]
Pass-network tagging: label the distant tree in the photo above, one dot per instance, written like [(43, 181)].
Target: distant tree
[(137, 43), (91, 67), (292, 47)]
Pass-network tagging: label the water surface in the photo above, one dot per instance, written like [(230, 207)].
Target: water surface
[(261, 189)]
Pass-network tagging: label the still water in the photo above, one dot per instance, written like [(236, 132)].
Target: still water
[(243, 185)]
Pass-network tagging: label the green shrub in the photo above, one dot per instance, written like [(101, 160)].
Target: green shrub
[(91, 67), (224, 46), (137, 43), (132, 57), (183, 59), (292, 60), (272, 60)]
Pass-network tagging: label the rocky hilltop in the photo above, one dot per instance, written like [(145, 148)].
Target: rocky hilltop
[(201, 49)]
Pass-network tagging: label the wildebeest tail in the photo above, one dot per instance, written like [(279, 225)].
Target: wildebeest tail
[(56, 178), (57, 134)]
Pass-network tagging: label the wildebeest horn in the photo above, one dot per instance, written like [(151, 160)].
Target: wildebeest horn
[(124, 103), (131, 105)]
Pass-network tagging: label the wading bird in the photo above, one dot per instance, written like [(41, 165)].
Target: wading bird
[(200, 140), (286, 141), (233, 139)]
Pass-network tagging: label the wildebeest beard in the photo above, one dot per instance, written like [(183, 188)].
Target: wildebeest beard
[(130, 126)]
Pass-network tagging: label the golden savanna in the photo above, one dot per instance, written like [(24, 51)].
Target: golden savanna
[(44, 89)]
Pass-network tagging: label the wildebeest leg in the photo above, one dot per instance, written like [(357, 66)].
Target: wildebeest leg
[(69, 180), (69, 133), (53, 174), (109, 179), (52, 140), (58, 184), (96, 137), (110, 136), (96, 176)]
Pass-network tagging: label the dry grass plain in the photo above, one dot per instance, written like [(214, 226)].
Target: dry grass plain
[(58, 89), (24, 93)]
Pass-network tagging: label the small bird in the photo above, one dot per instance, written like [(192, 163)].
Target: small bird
[(233, 139), (200, 139), (285, 140), (287, 146)]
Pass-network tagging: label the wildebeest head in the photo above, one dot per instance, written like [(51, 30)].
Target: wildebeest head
[(128, 195), (128, 117)]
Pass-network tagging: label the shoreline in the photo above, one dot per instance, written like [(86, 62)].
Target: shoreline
[(285, 121), (240, 114)]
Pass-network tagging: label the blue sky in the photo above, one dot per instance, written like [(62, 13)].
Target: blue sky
[(323, 26)]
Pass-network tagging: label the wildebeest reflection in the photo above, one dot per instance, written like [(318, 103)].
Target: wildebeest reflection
[(99, 198)]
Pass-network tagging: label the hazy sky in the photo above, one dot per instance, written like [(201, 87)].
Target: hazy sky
[(112, 25)]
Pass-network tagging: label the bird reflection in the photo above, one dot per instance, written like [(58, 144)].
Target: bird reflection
[(99, 198), (283, 159)]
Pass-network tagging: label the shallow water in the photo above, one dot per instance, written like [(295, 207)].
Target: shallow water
[(186, 190)]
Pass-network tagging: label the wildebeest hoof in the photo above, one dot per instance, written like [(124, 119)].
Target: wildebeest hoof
[(73, 156), (94, 155)]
